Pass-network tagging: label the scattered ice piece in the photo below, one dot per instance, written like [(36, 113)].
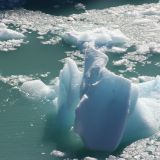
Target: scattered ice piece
[(121, 62), (97, 38), (154, 47), (43, 153), (7, 34), (57, 153), (10, 45), (80, 6), (7, 21), (142, 21), (111, 157), (16, 80), (150, 12), (145, 78), (117, 50), (2, 25), (90, 158), (143, 49), (70, 18), (36, 90)]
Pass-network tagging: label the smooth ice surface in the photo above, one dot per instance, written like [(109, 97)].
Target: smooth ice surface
[(102, 112), (68, 93), (36, 89), (100, 37), (8, 34)]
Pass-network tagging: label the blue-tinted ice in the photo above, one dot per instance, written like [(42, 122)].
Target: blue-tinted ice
[(106, 110)]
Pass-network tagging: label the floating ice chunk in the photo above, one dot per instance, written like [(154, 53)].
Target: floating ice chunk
[(150, 89), (117, 50), (68, 93), (98, 38), (2, 25), (121, 62), (36, 90), (141, 21), (57, 153), (90, 158), (112, 110), (150, 12), (103, 110), (80, 6), (8, 34), (145, 78), (143, 121), (7, 21)]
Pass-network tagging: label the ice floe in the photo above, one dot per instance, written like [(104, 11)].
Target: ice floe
[(8, 34), (9, 39), (101, 37)]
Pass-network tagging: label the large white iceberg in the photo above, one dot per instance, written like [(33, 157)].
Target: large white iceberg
[(112, 110), (106, 110), (103, 110)]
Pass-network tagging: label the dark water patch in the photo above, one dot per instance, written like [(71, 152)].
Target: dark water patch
[(68, 7)]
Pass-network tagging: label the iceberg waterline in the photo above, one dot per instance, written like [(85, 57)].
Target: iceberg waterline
[(106, 110)]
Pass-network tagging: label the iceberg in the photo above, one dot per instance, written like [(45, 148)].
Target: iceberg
[(112, 110), (102, 113), (104, 109)]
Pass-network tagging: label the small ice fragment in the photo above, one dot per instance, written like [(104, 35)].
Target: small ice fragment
[(36, 89), (90, 158), (57, 153)]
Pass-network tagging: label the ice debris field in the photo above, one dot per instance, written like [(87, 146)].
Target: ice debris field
[(101, 110)]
